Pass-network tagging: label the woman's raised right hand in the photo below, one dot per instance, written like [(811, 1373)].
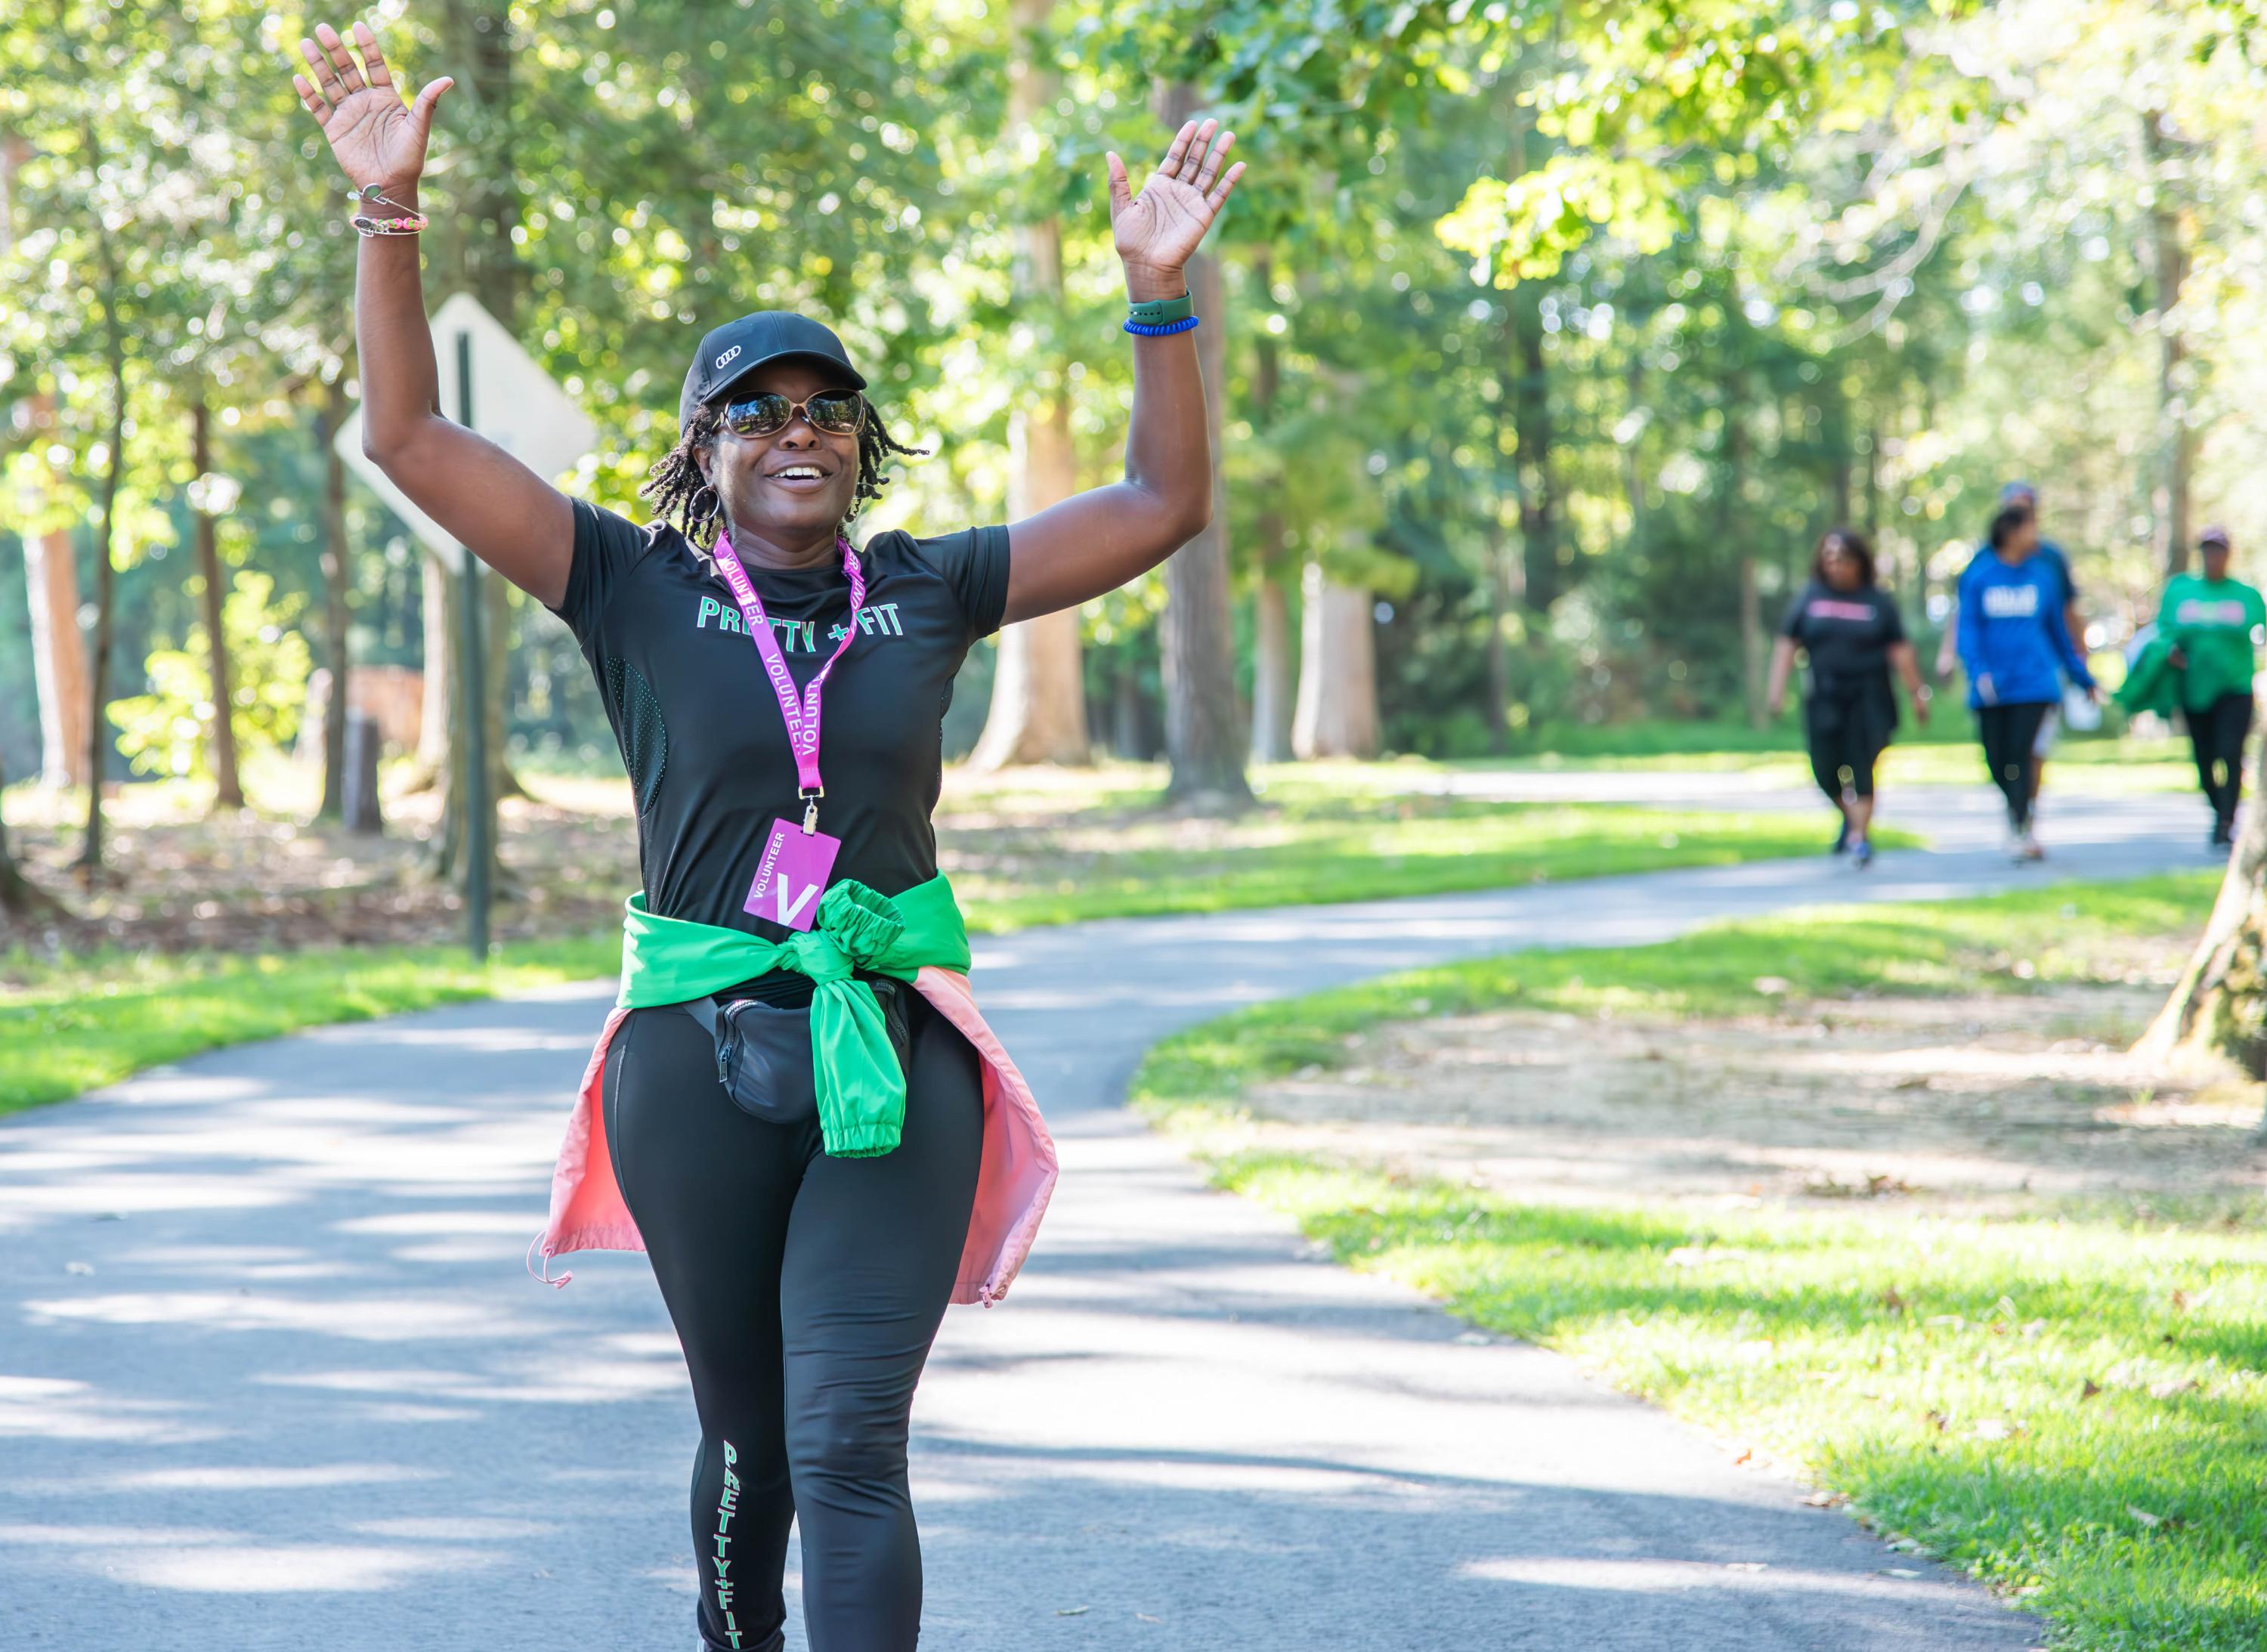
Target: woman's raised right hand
[(376, 138)]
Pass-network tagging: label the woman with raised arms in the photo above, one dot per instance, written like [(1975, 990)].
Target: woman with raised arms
[(795, 1108)]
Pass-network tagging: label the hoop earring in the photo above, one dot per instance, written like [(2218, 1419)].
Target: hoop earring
[(700, 512)]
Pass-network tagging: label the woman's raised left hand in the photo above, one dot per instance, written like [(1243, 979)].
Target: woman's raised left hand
[(1158, 230)]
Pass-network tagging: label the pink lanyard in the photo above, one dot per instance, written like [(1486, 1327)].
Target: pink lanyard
[(801, 710)]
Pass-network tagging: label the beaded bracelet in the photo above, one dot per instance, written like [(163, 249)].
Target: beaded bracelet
[(1166, 331), (409, 224)]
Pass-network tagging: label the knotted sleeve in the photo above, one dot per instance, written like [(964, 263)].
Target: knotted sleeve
[(862, 1091)]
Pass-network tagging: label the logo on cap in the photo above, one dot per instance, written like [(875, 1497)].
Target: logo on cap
[(728, 356)]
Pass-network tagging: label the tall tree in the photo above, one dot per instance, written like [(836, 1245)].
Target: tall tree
[(338, 595), (1038, 697), (1273, 658), (228, 793), (1337, 714), (58, 648), (108, 296), (50, 577), (1203, 725), (20, 897), (2166, 155)]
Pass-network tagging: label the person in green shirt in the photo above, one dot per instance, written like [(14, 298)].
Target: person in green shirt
[(2211, 621)]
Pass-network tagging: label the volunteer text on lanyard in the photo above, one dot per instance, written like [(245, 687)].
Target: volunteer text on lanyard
[(795, 865)]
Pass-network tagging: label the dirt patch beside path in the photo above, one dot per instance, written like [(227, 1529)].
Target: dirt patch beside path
[(1970, 1102)]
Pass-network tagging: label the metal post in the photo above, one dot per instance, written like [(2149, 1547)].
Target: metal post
[(476, 713)]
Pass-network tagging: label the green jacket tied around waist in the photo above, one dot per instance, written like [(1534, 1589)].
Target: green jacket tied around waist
[(862, 1091)]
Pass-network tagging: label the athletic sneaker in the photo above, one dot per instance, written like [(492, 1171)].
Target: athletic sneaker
[(2028, 847), (1862, 856), (2222, 837)]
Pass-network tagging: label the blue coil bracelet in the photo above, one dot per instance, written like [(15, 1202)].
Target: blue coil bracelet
[(1160, 318)]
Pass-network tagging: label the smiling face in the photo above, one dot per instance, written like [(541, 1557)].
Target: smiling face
[(767, 483)]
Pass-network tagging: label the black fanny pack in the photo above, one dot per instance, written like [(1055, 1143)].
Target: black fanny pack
[(763, 1050)]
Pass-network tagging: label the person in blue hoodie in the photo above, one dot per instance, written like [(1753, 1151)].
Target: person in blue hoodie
[(2013, 636)]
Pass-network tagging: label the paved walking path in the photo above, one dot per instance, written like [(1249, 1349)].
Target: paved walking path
[(271, 1376)]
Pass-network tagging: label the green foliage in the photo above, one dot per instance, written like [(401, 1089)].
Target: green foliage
[(1576, 319), (168, 731)]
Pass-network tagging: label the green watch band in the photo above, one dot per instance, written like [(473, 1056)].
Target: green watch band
[(1161, 312)]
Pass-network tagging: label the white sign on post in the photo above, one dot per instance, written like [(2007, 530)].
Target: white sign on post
[(516, 405)]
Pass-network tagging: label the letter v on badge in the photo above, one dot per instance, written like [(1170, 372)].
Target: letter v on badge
[(791, 873)]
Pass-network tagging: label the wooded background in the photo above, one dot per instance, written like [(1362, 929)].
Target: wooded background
[(1544, 341)]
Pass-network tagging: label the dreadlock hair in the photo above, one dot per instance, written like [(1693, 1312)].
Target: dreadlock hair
[(679, 492)]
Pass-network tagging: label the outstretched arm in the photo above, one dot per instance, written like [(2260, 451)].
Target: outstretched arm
[(1096, 540), (501, 511)]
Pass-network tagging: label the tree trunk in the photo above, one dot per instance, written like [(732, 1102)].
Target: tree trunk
[(1204, 728), (1529, 374), (2177, 460), (1338, 671), (106, 578), (20, 898), (2219, 1006), (439, 606), (1272, 671), (1039, 691), (476, 255), (1503, 602), (1271, 666), (1538, 501), (496, 681), (58, 649), (58, 656), (228, 788), (1038, 688), (1841, 466), (1129, 718), (338, 579), (1752, 645)]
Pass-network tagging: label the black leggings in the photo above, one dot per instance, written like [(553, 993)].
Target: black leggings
[(806, 1291), (2217, 733), (2008, 733), (1845, 750)]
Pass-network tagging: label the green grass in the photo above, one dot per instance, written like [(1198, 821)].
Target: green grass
[(97, 1019), (93, 1019), (1949, 758), (2071, 1403), (1321, 850)]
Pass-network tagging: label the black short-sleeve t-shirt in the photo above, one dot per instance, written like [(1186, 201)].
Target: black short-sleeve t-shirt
[(1848, 634), (699, 726)]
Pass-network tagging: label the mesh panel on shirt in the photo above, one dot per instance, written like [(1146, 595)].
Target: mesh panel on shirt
[(645, 741)]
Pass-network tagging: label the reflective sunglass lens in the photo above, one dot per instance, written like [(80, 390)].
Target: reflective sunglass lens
[(761, 414), (758, 416), (838, 414)]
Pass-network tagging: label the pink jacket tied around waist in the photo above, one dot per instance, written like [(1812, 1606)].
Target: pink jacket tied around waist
[(1012, 1188)]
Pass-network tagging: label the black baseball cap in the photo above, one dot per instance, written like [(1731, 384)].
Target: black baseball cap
[(738, 348)]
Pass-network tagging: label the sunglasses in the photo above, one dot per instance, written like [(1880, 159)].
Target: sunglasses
[(841, 412)]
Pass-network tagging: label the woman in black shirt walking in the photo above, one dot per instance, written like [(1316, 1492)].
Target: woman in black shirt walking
[(808, 1216), (1849, 627)]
